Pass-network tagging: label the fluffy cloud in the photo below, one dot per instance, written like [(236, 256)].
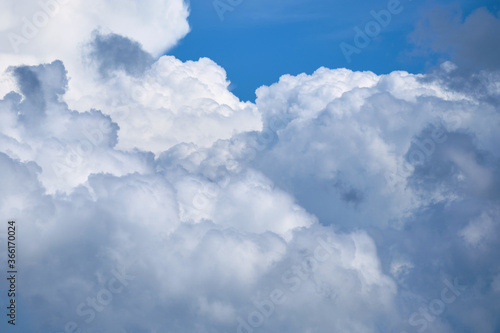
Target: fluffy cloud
[(411, 159), (31, 32), (367, 143), (148, 197), (140, 236), (130, 229), (169, 103), (28, 27)]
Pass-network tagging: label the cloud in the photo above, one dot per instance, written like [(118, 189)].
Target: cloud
[(478, 230), (148, 196), (129, 227), (128, 216), (216, 231), (114, 52), (172, 102), (31, 33), (30, 25), (471, 41), (418, 152)]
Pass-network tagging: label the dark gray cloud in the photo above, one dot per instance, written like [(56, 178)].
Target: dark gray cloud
[(480, 85), (29, 80), (473, 41), (114, 52)]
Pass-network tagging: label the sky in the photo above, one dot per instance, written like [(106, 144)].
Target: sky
[(297, 36), (237, 166)]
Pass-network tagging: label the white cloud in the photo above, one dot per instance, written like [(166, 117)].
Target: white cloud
[(478, 230), (29, 26), (152, 169), (117, 212), (32, 34), (364, 144), (173, 102)]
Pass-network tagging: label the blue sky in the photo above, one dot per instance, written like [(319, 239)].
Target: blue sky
[(300, 36)]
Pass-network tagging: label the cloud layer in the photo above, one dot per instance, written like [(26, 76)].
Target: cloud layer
[(149, 198)]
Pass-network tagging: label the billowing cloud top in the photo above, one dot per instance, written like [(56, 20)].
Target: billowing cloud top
[(28, 27), (149, 198)]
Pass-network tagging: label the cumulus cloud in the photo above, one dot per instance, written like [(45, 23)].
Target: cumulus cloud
[(29, 27), (170, 103), (129, 228), (148, 197), (132, 220), (228, 231), (31, 32)]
